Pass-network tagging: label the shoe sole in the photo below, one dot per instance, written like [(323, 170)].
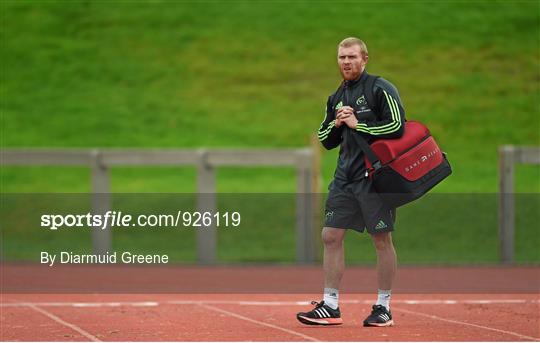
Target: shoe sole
[(325, 321), (388, 323)]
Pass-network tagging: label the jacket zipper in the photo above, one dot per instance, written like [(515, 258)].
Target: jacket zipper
[(347, 133)]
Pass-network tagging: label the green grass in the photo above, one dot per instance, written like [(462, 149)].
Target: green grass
[(208, 74)]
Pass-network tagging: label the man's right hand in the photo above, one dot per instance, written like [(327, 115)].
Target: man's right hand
[(342, 114)]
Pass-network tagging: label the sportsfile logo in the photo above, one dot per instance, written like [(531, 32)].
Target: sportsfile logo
[(422, 159), (120, 220)]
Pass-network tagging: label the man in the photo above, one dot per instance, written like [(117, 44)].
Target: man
[(352, 202)]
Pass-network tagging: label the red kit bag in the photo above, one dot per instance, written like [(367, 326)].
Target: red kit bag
[(405, 168)]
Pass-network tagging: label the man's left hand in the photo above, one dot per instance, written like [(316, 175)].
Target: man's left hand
[(351, 121)]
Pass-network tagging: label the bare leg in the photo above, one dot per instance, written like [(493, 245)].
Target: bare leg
[(334, 260), (386, 260)]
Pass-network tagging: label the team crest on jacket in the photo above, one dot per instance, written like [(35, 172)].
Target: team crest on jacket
[(361, 101), (362, 105)]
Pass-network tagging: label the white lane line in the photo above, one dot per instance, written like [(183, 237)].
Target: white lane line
[(265, 303), (502, 301), (428, 302), (83, 304), (116, 304), (237, 302), (303, 303), (467, 324), (110, 304), (232, 314), (69, 325)]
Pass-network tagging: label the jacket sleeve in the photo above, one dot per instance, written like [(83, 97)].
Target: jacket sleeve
[(328, 133), (391, 114)]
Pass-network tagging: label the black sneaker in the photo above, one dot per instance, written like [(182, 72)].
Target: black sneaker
[(321, 315), (379, 316)]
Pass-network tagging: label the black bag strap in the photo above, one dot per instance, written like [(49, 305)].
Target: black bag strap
[(368, 91), (370, 99), (372, 158)]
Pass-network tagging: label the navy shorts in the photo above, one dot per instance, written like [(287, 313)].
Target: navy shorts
[(359, 207)]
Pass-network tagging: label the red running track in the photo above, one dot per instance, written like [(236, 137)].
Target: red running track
[(263, 317), (37, 278)]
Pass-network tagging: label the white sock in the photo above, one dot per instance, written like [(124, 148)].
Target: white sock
[(331, 297), (383, 298)]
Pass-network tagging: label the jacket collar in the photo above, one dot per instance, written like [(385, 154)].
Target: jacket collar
[(360, 79)]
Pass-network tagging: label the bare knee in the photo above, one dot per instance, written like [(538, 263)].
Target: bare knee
[(382, 241), (332, 237)]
